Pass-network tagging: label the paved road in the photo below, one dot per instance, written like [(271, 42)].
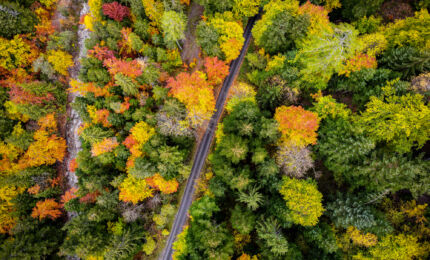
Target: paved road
[(203, 149)]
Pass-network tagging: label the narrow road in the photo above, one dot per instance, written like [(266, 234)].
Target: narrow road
[(203, 149)]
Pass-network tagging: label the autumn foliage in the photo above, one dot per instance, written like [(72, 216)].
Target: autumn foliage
[(158, 182), (48, 208), (115, 11), (297, 125)]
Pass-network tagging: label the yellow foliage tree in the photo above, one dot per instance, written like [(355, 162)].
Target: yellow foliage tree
[(303, 199), (134, 190), (60, 61), (16, 53), (7, 220)]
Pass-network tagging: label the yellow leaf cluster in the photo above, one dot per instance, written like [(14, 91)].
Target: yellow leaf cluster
[(134, 190), (231, 37), (412, 31), (60, 61), (142, 132), (360, 238), (7, 193), (303, 199), (16, 53), (180, 245), (326, 106)]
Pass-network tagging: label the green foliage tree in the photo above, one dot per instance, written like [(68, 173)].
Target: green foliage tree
[(327, 50), (173, 25), (242, 220), (15, 19), (389, 118)]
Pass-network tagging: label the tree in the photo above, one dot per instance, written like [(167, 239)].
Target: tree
[(128, 86), (216, 70), (349, 210), (294, 161), (16, 53), (105, 146), (355, 9), (242, 220), (406, 32), (48, 208), (388, 118), (398, 247), (16, 20), (234, 148), (327, 50), (283, 31), (269, 232), (231, 36), (134, 190), (246, 8), (115, 11), (197, 95), (298, 126), (60, 61), (303, 199), (391, 172), (252, 198), (173, 25)]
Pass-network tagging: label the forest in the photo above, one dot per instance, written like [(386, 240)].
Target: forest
[(322, 150)]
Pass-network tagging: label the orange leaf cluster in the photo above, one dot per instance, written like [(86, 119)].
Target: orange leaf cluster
[(48, 208), (298, 126), (158, 182), (216, 70), (104, 146), (34, 190), (128, 68), (48, 123), (85, 88), (68, 195), (194, 91), (358, 62), (101, 53), (73, 165)]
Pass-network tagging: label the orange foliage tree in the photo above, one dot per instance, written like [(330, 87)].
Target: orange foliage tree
[(165, 186), (358, 62), (195, 92), (48, 208), (298, 126), (216, 70)]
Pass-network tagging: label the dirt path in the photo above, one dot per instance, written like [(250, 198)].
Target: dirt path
[(191, 50)]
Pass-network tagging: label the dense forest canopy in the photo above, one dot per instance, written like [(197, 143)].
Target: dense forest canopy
[(322, 152)]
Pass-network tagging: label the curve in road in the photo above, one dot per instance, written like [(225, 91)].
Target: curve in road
[(203, 149)]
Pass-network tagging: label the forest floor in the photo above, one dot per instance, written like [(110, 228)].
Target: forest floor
[(191, 51)]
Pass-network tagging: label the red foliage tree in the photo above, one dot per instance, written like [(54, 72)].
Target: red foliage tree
[(101, 53), (216, 70), (115, 11)]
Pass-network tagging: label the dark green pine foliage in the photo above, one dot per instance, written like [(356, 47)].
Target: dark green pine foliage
[(283, 31), (407, 60), (16, 19), (349, 210)]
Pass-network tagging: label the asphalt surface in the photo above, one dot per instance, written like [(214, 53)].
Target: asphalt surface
[(203, 149)]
